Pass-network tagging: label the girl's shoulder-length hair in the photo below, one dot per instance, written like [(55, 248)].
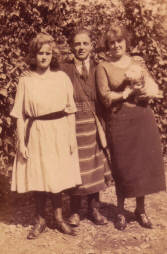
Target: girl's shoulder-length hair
[(35, 46)]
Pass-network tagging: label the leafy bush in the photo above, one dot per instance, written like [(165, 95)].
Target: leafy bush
[(20, 20)]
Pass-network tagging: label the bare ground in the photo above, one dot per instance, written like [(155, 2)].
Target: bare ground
[(17, 215)]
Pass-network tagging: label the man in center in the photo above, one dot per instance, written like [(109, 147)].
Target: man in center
[(93, 163)]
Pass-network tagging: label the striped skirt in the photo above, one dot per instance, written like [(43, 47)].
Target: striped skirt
[(94, 167)]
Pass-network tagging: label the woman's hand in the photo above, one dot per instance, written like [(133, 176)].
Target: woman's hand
[(23, 151), (127, 92)]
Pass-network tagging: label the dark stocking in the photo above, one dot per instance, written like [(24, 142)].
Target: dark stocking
[(93, 209), (40, 200), (93, 200), (120, 203), (57, 206), (40, 225), (75, 204), (58, 214), (140, 207), (120, 220), (56, 200)]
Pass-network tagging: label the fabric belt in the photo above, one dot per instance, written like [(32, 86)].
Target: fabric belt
[(50, 116)]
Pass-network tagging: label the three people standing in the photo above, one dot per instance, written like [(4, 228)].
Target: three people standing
[(57, 153)]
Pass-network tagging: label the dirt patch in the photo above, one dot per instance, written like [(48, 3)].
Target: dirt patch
[(17, 215)]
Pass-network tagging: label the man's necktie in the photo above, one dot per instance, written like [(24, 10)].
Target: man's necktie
[(84, 71)]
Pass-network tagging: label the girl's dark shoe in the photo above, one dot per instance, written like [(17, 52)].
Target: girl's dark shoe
[(95, 216), (60, 222), (64, 227), (120, 223), (143, 220), (36, 231), (74, 220)]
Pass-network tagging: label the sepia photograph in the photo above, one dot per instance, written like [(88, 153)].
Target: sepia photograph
[(83, 126)]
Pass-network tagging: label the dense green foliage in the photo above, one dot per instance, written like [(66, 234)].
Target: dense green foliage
[(20, 20)]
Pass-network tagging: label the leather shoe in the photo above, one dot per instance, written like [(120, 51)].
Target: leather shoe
[(36, 231), (143, 220), (95, 216), (120, 222), (74, 220), (64, 227)]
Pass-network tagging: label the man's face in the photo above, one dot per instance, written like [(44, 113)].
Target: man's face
[(82, 46)]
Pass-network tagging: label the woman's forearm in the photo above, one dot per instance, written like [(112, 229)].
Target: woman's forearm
[(21, 130), (107, 95), (22, 148), (112, 96)]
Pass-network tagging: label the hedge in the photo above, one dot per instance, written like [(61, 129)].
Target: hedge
[(21, 20)]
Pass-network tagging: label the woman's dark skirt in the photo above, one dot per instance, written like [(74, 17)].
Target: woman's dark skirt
[(137, 163)]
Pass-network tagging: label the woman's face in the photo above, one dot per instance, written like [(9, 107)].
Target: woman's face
[(117, 47), (44, 57)]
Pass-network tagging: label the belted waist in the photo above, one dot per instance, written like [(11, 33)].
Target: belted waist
[(50, 116)]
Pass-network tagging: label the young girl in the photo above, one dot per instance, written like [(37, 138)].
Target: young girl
[(46, 159)]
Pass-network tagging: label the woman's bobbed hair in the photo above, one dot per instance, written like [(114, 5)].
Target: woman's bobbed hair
[(117, 32), (35, 46)]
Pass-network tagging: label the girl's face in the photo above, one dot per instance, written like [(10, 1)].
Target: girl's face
[(44, 57), (117, 47)]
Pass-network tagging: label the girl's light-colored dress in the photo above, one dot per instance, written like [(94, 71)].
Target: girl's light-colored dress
[(51, 167)]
